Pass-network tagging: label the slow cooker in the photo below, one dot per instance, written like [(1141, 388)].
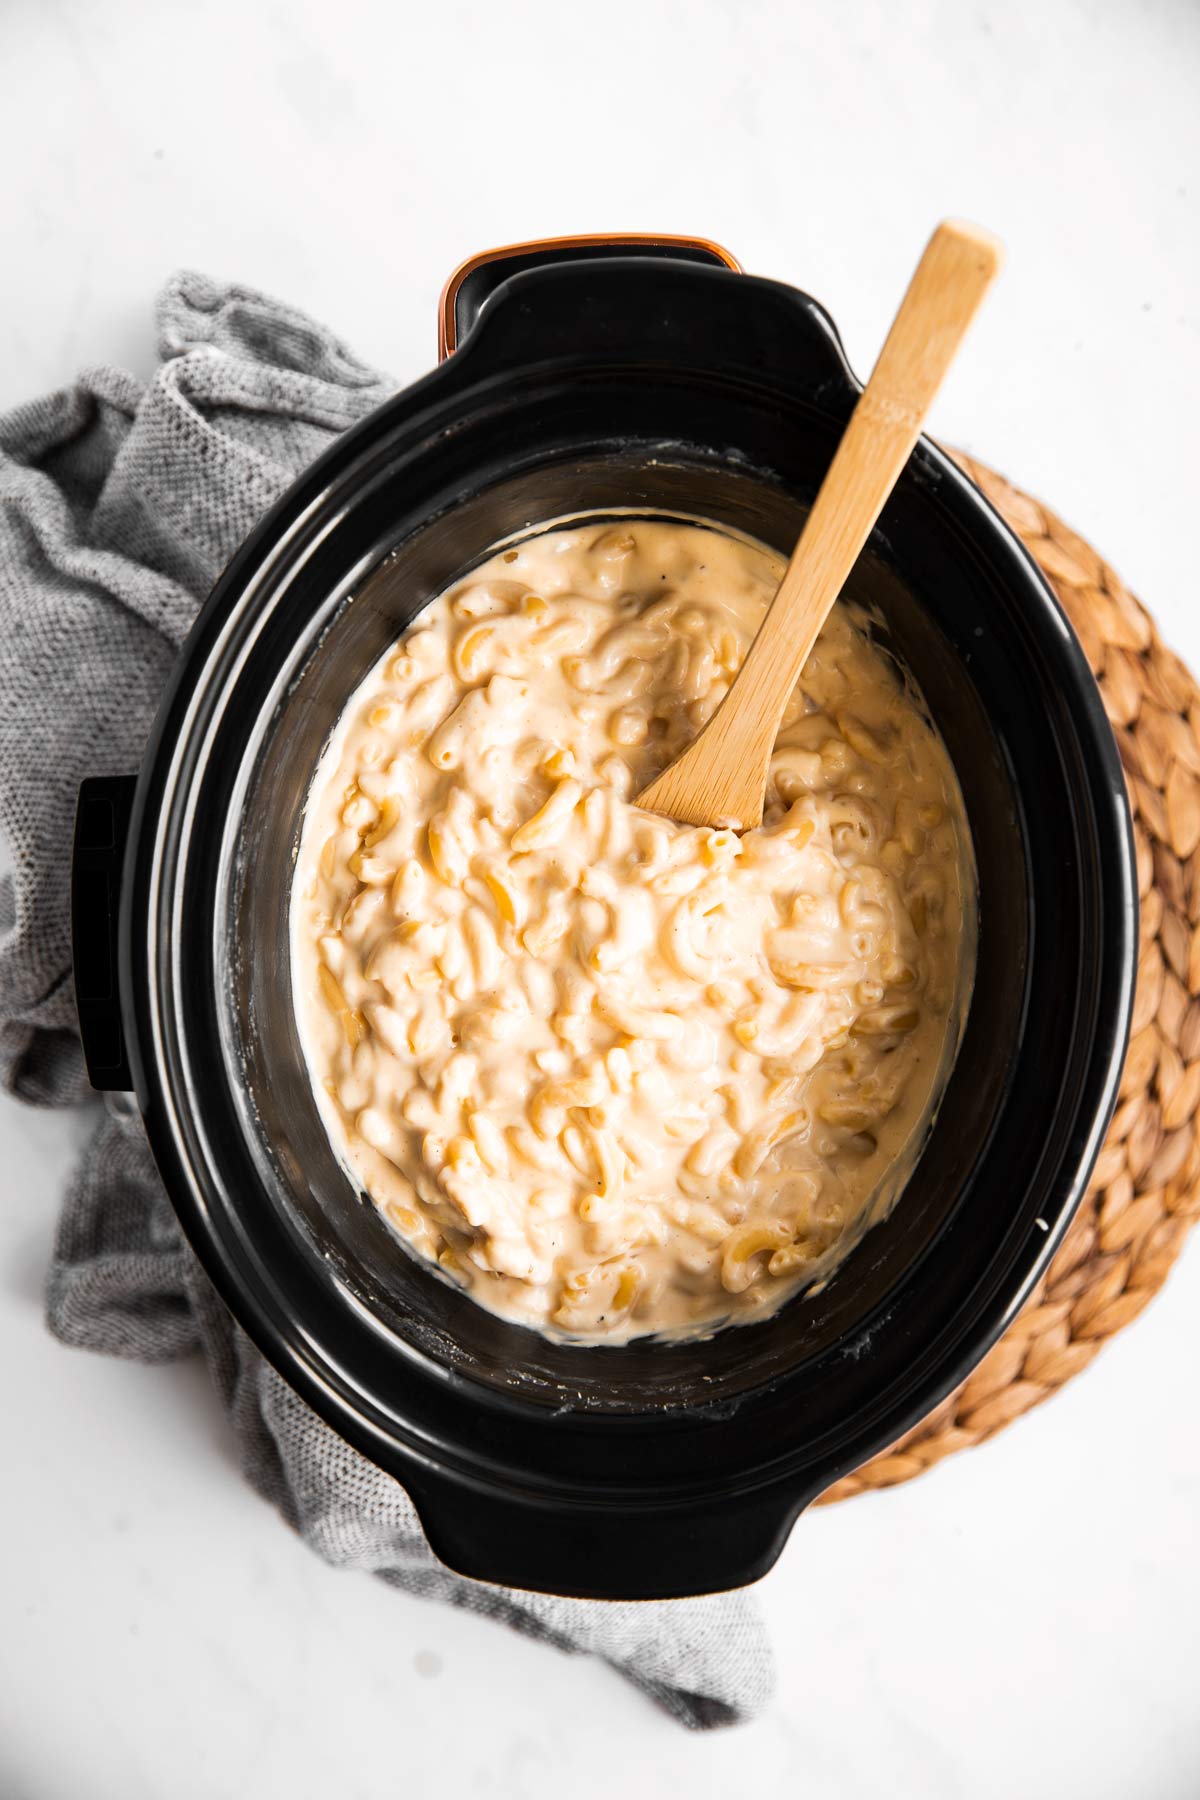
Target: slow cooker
[(586, 377)]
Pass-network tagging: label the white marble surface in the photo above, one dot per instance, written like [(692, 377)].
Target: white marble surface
[(1024, 1620)]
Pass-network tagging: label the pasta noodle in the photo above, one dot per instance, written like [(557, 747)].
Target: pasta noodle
[(612, 1074)]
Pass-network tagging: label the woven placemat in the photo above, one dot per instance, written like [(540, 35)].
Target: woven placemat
[(1144, 1196)]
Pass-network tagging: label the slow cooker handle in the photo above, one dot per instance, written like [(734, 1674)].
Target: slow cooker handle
[(610, 1554), (638, 307), (101, 830), (476, 280)]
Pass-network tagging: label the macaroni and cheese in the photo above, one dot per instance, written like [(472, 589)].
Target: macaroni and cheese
[(612, 1074)]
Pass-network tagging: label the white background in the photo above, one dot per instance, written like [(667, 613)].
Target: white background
[(1025, 1619)]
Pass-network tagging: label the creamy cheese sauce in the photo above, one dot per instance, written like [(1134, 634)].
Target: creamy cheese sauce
[(613, 1074)]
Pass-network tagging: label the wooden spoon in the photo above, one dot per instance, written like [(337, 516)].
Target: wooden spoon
[(722, 776)]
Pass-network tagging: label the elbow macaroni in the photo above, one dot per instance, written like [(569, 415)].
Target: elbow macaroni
[(613, 1074)]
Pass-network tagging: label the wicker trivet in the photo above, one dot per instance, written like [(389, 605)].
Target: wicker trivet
[(1145, 1195)]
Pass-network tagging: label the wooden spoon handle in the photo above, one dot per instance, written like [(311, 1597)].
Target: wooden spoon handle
[(721, 777)]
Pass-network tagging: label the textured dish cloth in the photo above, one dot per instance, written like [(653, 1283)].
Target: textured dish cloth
[(119, 504)]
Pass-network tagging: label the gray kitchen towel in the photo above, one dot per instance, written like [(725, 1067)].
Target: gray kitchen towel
[(119, 503)]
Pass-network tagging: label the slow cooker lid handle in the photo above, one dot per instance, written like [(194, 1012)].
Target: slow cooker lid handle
[(475, 280)]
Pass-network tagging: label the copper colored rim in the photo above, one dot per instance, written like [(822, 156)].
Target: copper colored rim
[(447, 333)]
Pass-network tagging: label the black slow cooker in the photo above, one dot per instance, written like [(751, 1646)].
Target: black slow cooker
[(583, 378)]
